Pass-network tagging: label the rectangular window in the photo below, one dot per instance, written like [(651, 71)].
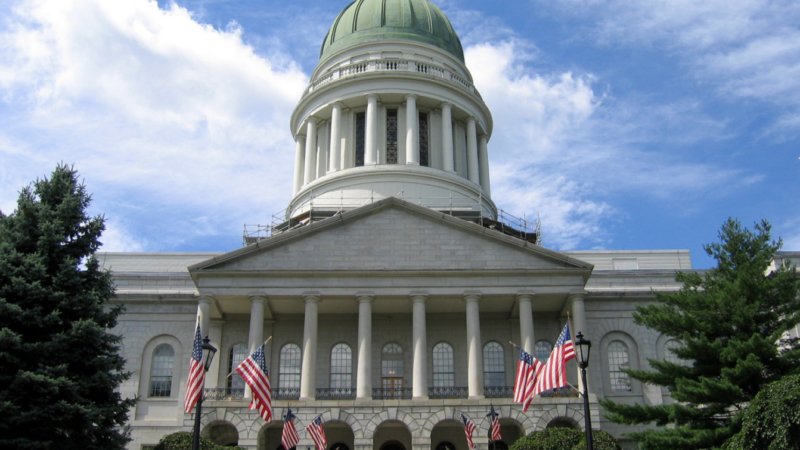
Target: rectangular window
[(424, 159), (391, 136), (361, 120)]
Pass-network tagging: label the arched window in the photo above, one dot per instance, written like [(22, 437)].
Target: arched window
[(237, 354), (443, 373), (542, 350), (161, 371), (392, 370), (618, 359), (494, 367), (289, 372), (669, 354), (341, 367)]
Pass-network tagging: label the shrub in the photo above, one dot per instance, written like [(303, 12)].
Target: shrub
[(772, 421), (183, 441), (564, 439)]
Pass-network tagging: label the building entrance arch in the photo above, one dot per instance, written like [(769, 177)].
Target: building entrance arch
[(392, 445), (391, 435)]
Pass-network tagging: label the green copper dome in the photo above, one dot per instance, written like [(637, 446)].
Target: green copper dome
[(364, 21)]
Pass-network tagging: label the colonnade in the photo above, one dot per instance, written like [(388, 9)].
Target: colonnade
[(419, 300), (332, 143)]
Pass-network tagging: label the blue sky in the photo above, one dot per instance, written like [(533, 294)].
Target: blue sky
[(621, 124)]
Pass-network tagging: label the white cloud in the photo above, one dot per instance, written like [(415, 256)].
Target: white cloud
[(149, 104), (562, 150), (744, 48)]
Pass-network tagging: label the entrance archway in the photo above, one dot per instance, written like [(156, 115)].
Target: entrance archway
[(269, 437), (448, 435), (562, 422), (391, 435), (392, 445)]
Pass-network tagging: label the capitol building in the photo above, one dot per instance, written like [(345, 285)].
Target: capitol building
[(392, 289)]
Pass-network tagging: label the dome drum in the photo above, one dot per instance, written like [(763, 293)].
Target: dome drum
[(423, 186)]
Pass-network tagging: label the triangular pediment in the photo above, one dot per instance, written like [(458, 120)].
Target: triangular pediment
[(391, 235)]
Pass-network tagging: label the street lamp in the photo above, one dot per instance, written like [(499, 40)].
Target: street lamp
[(210, 351), (584, 346)]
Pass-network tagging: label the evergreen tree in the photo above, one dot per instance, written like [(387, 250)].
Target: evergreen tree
[(730, 323), (59, 365)]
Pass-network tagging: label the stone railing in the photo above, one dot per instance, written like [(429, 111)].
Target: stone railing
[(429, 69), (223, 393), (391, 394), (448, 392), (336, 393)]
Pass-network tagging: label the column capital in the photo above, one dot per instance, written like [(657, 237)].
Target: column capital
[(472, 296), (311, 119), (311, 297), (418, 296), (257, 298), (205, 299), (525, 293), (577, 295), (337, 105), (445, 105), (365, 296), (408, 96), (372, 97)]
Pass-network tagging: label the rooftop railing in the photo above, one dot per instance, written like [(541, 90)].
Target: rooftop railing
[(461, 207), (425, 68)]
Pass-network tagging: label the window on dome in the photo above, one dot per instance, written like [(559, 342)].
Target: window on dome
[(424, 159), (391, 136), (361, 119)]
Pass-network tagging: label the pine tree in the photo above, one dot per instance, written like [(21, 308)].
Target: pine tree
[(60, 366), (730, 323)]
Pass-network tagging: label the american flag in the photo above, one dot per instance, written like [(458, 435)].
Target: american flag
[(469, 428), (197, 374), (527, 371), (253, 371), (554, 373), (289, 437), (317, 434), (495, 431)]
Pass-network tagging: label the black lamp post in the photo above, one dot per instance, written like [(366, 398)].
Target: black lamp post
[(210, 351), (584, 347)]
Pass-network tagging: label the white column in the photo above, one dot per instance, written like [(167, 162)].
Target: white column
[(483, 154), (204, 313), (474, 347), (299, 162), (336, 138), (412, 130), (256, 328), (525, 300), (308, 382), (579, 324), (364, 369), (370, 134), (311, 151), (448, 159), (419, 381), (472, 151)]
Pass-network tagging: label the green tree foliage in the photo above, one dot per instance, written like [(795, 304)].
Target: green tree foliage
[(728, 321), (772, 420), (564, 439), (183, 441), (59, 365)]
